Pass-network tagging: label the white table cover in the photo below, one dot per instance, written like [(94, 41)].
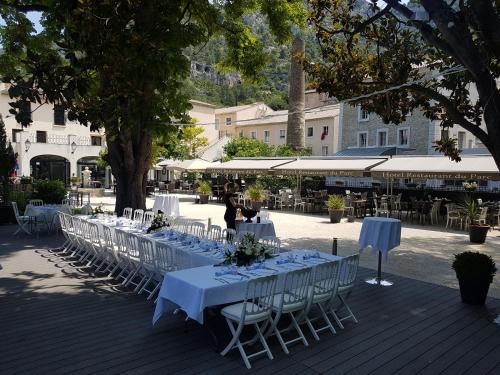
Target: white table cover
[(47, 212), (168, 204), (195, 289), (381, 233), (262, 229)]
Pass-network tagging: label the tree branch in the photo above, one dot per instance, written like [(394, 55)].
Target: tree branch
[(24, 7), (453, 113), (488, 23)]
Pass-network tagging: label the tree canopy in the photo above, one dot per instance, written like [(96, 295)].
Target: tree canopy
[(243, 147), (446, 53), (120, 65)]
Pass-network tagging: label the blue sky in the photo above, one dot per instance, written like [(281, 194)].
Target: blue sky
[(34, 17)]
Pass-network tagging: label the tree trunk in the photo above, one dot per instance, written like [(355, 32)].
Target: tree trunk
[(129, 156), (296, 97)]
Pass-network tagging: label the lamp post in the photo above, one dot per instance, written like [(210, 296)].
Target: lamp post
[(73, 147), (27, 145)]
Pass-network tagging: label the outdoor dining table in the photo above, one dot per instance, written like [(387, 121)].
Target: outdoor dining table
[(46, 213), (168, 204), (382, 234), (263, 229), (195, 289)]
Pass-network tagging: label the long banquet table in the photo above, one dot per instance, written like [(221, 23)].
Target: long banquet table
[(195, 289)]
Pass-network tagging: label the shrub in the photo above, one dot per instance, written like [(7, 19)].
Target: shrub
[(21, 198), (474, 265), (204, 188), (335, 202), (255, 193), (51, 192)]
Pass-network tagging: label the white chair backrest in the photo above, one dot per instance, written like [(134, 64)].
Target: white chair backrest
[(164, 258), (36, 202), (259, 295), (326, 279), (138, 215), (296, 288), (133, 250), (16, 209), (229, 235), (182, 259), (127, 213), (273, 242), (148, 217), (146, 252), (348, 270), (214, 233), (109, 243), (197, 229), (122, 243)]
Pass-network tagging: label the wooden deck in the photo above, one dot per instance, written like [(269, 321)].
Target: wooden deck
[(58, 321)]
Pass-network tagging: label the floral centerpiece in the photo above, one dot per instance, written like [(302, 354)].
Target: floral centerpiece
[(469, 186), (247, 251), (159, 222), (97, 210)]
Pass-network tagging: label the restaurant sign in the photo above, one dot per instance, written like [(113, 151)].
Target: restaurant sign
[(486, 176)]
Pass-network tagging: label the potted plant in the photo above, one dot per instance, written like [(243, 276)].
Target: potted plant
[(335, 206), (470, 211), (204, 191), (257, 196), (75, 182), (475, 272)]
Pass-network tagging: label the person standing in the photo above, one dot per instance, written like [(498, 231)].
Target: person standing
[(231, 206)]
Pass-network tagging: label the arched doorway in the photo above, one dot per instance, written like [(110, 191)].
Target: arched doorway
[(50, 167), (98, 173)]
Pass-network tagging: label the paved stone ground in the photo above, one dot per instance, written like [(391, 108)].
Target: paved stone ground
[(426, 252)]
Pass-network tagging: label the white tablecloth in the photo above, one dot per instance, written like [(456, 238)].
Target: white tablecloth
[(381, 233), (47, 212), (167, 203), (262, 229), (195, 289)]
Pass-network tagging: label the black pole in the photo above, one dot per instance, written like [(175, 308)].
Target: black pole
[(379, 271), (334, 246)]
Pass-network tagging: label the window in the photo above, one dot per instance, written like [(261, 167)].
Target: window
[(403, 138), (282, 133), (15, 136), (267, 135), (324, 150), (363, 114), (362, 139), (25, 109), (254, 135), (461, 140), (217, 124), (310, 132), (325, 130), (59, 115), (382, 137), (228, 121), (95, 140), (471, 143), (41, 137)]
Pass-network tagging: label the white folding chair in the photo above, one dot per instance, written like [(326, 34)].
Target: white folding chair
[(323, 290), (147, 262), (23, 222), (214, 233), (35, 202), (273, 242), (165, 261), (347, 278), (127, 213), (197, 229), (256, 308), (293, 299), (148, 218), (138, 215)]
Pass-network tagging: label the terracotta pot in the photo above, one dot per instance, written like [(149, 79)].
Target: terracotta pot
[(256, 205)]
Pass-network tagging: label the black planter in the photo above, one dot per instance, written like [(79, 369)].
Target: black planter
[(473, 291), (7, 214), (203, 198), (477, 233)]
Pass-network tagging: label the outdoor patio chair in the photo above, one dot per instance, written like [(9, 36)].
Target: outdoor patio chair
[(35, 202), (299, 202), (347, 278), (214, 233), (453, 215), (127, 213), (273, 242), (383, 209), (147, 218), (111, 251), (255, 309), (436, 206), (348, 207), (483, 216), (138, 215), (165, 261), (291, 301), (127, 266), (23, 222), (323, 290), (197, 229), (147, 265)]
